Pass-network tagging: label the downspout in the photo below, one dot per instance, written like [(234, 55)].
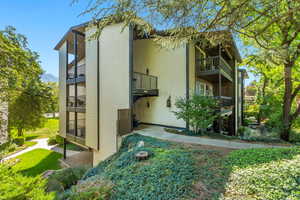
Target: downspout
[(187, 78)]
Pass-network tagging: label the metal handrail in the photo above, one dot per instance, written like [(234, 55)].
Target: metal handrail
[(144, 81), (214, 62), (80, 71)]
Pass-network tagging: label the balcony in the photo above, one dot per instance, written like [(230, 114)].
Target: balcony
[(71, 76), (224, 101), (144, 85), (79, 135), (209, 69), (81, 103)]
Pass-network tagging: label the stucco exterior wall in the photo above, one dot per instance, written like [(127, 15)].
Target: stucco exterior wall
[(62, 90), (114, 85), (91, 121), (169, 65)]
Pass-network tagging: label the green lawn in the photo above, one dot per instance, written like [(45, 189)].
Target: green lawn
[(179, 171), (37, 161), (50, 128)]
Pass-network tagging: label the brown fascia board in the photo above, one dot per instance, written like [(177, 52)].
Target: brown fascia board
[(58, 45)]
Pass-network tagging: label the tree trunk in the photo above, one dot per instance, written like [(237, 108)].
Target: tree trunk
[(20, 132), (287, 102), (53, 114), (263, 100)]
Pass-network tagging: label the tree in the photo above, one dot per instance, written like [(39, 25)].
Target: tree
[(26, 110), (198, 111), (18, 65), (265, 24), (53, 101)]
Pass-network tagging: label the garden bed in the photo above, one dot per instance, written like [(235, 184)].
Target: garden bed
[(180, 171)]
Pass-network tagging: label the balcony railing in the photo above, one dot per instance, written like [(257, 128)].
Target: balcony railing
[(224, 101), (80, 128), (215, 63), (144, 82), (81, 102), (80, 72)]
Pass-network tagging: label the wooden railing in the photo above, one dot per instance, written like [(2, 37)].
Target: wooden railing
[(144, 82)]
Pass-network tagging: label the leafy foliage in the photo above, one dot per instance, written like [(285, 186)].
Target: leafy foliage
[(199, 111), (62, 179), (264, 174), (167, 174), (15, 186)]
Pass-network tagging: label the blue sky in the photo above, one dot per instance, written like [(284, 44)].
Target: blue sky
[(44, 22)]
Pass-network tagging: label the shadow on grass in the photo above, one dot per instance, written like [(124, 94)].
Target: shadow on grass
[(50, 162), (215, 168)]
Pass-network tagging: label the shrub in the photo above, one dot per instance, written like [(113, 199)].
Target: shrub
[(19, 141), (56, 139), (93, 188), (14, 186), (62, 179), (199, 111)]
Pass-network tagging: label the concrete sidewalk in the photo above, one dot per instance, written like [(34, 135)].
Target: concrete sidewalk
[(160, 133)]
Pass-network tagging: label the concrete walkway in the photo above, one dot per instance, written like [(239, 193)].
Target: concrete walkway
[(41, 144), (160, 133)]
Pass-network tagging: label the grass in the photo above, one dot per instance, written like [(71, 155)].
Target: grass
[(179, 171), (72, 147), (37, 161), (50, 129)]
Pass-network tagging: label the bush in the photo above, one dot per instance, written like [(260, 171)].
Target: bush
[(19, 141), (14, 186), (93, 188), (62, 179), (199, 111), (294, 136), (57, 139)]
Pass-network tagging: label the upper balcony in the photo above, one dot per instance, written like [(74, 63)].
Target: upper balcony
[(210, 67), (144, 85), (72, 77)]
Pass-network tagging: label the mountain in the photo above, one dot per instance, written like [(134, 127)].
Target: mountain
[(49, 78)]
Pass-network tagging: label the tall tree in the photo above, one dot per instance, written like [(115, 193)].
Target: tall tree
[(267, 24), (26, 110)]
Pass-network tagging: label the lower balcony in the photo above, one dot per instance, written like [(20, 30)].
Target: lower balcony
[(78, 135), (144, 85)]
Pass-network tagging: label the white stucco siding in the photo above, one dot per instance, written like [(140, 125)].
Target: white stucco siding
[(62, 90), (169, 65), (114, 85), (91, 139)]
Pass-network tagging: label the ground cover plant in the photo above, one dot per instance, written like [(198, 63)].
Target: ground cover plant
[(179, 171), (37, 161)]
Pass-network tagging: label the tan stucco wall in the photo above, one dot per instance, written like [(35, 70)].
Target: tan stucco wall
[(114, 86), (192, 68), (62, 90), (169, 65), (91, 121)]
